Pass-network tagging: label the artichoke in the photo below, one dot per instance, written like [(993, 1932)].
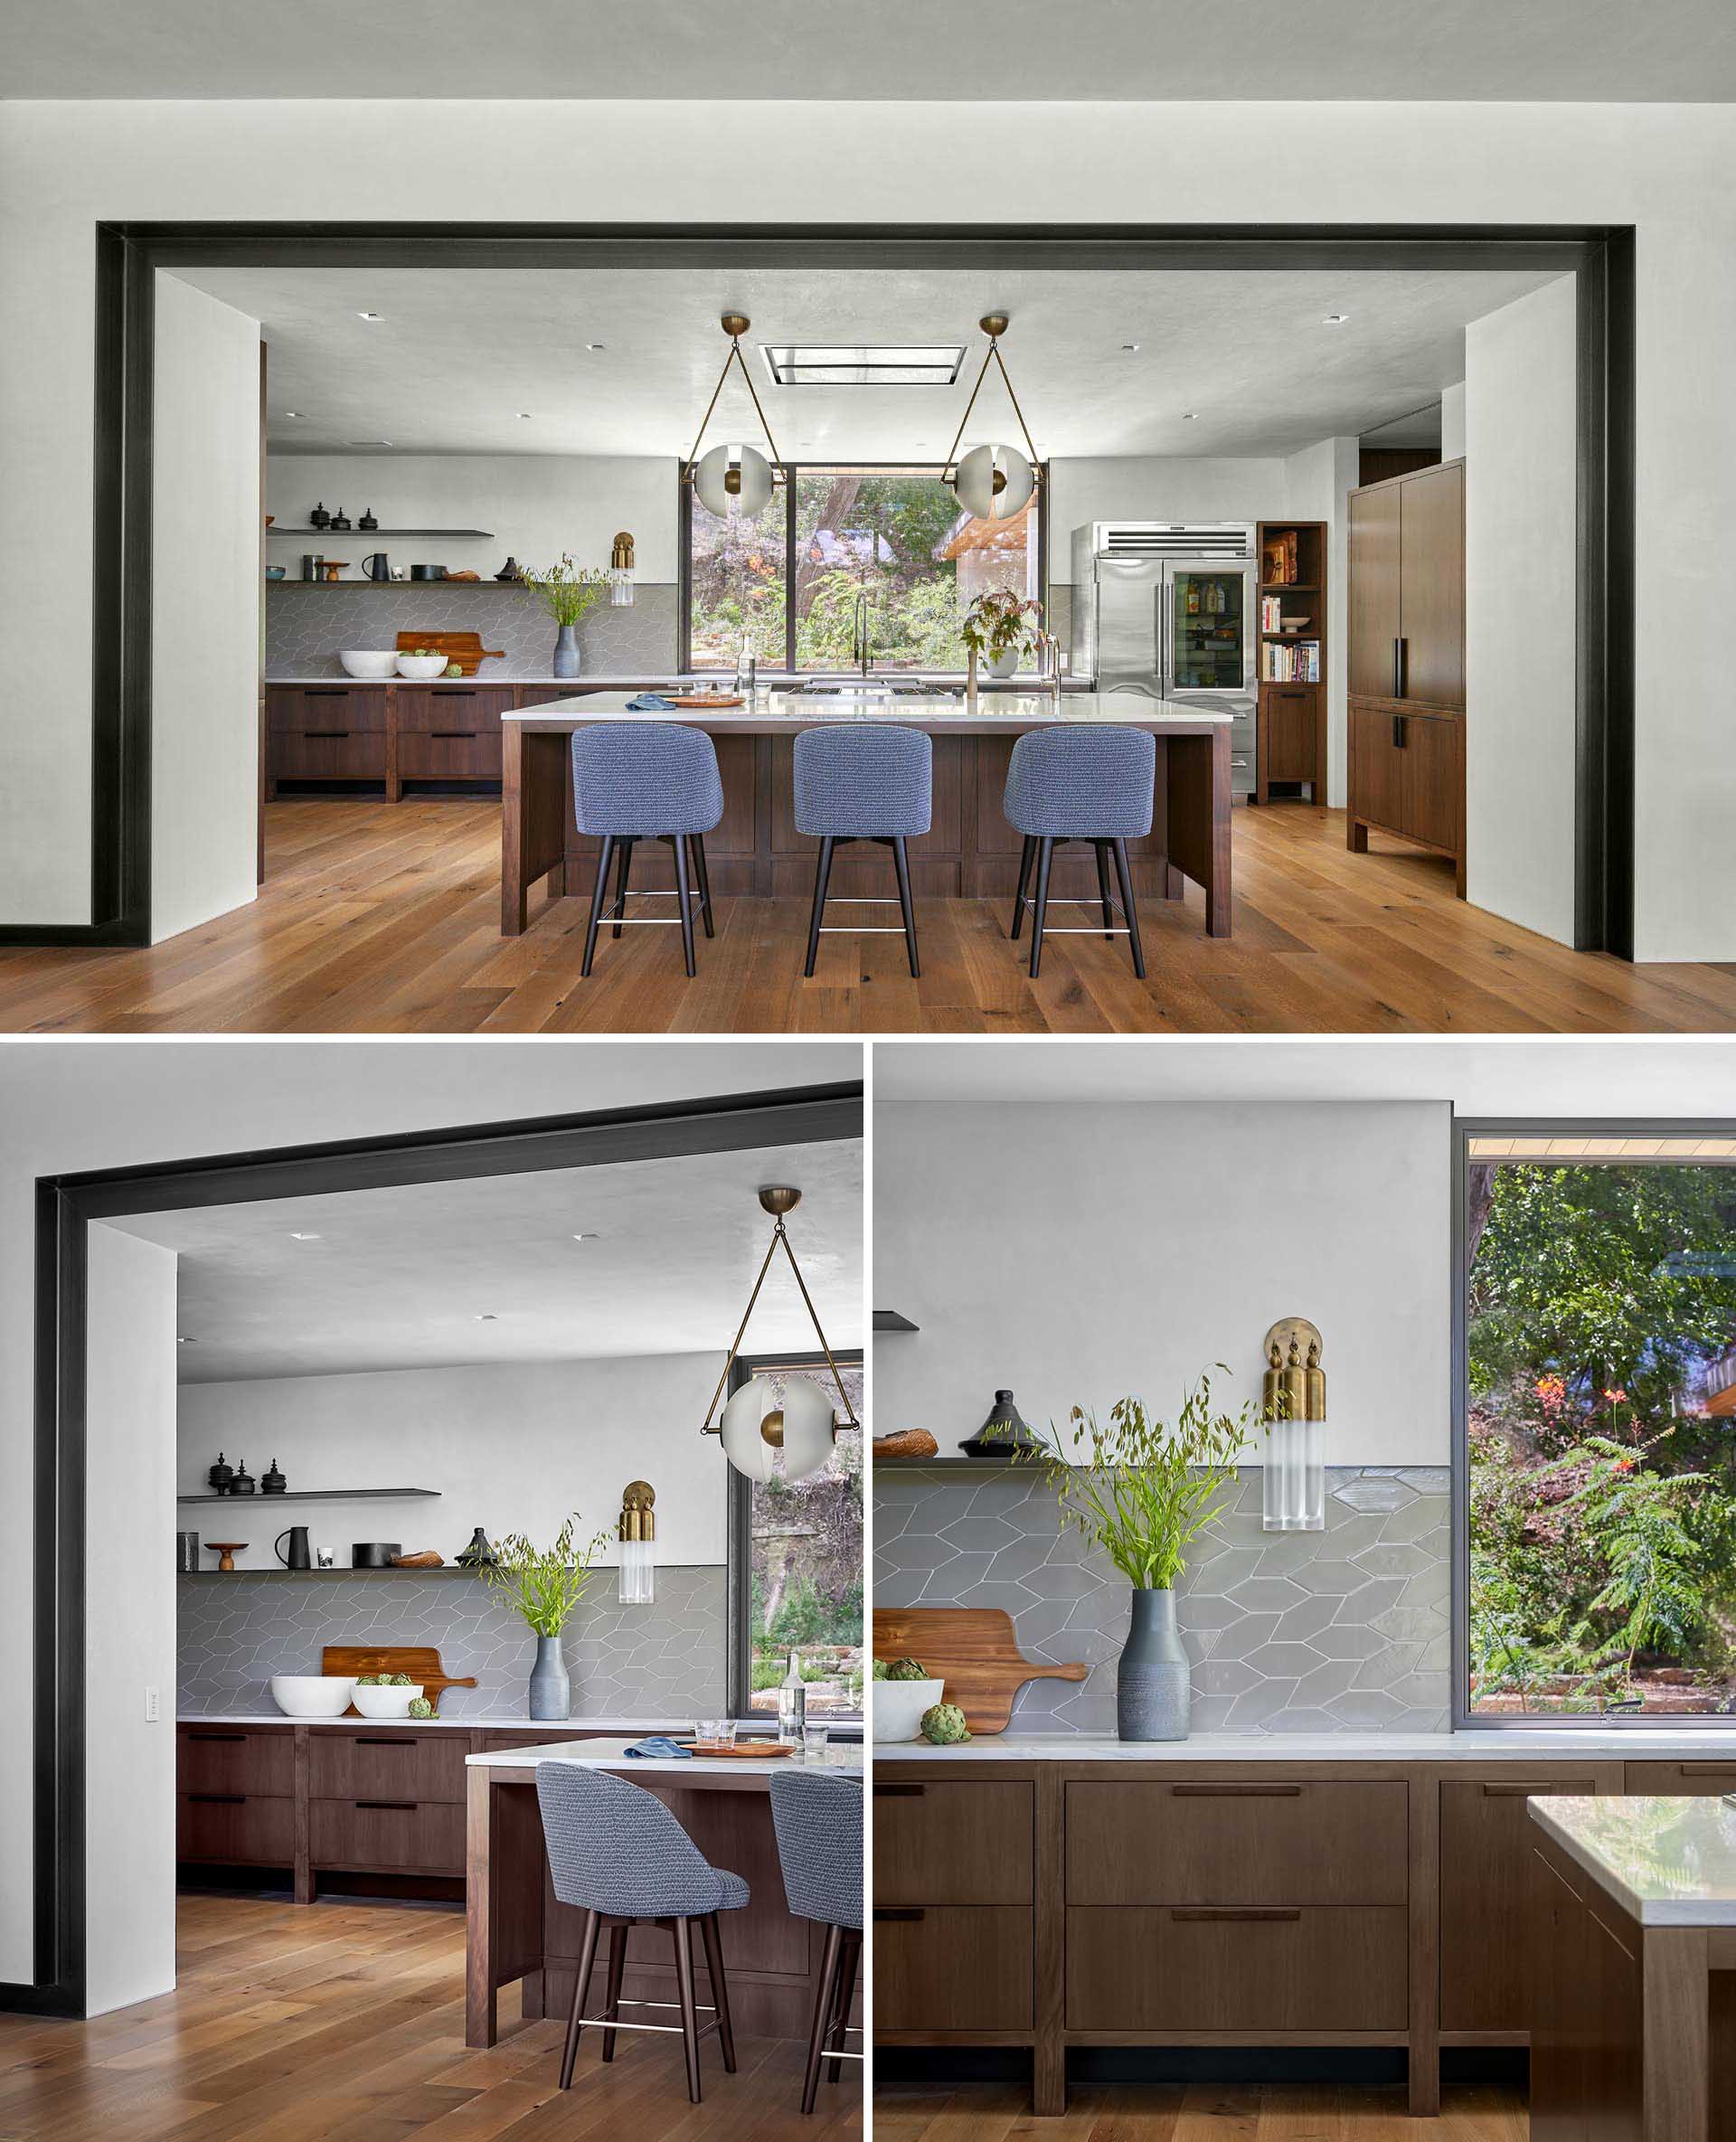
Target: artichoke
[(419, 1707), (944, 1724), (907, 1669)]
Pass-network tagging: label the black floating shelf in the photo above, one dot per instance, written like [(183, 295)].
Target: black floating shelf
[(890, 1320), (316, 1576), (315, 1495), (480, 534)]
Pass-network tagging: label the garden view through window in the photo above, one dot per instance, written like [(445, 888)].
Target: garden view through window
[(1600, 1334), (839, 547), (804, 1573)]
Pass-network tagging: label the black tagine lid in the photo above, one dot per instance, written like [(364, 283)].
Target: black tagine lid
[(1004, 1434)]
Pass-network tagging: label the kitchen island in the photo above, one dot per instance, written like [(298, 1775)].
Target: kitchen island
[(970, 852), (517, 1928), (1633, 1945)]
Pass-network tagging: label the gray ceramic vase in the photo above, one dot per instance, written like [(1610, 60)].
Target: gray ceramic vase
[(550, 1691), (566, 651), (1152, 1689)]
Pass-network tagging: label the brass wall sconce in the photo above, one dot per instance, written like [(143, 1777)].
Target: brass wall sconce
[(638, 1535), (620, 571), (1293, 1403)]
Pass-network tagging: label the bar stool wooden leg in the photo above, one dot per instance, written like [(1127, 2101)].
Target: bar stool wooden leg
[(822, 878), (821, 2016), (901, 862), (617, 1964), (684, 1933), (687, 905), (623, 871), (849, 1957), (1046, 850), (597, 893), (1125, 877), (581, 1986), (1102, 848), (705, 878), (714, 1941), (1025, 860)]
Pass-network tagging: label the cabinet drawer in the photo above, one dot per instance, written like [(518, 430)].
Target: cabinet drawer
[(232, 1759), (242, 1828), (336, 754), (449, 753), (1289, 713), (1339, 1967), (425, 1837), (452, 706), (386, 1766), (300, 708), (1681, 1776), (1270, 1841), (964, 1843), (953, 1968)]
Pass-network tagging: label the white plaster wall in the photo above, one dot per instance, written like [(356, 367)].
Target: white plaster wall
[(510, 1448), (1318, 482), (1156, 487), (205, 610), (534, 507), (129, 1632), (1520, 657), (1080, 1253), (1664, 168), (68, 1106), (1452, 422)]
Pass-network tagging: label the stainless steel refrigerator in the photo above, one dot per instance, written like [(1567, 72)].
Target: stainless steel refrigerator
[(1170, 609)]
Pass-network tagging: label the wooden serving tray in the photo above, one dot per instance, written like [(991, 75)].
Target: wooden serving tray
[(465, 648), (974, 1651), (422, 1662), (705, 699), (721, 1751)]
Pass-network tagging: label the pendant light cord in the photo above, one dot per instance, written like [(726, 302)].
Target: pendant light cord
[(779, 1233), (995, 357), (735, 357)]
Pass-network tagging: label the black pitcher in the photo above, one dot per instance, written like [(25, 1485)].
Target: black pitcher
[(298, 1557)]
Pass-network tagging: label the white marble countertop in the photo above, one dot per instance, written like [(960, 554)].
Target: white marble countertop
[(1666, 1860), (767, 708), (638, 679), (1521, 1744), (632, 1727), (611, 1755)]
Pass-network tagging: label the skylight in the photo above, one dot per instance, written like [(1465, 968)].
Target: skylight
[(863, 364)]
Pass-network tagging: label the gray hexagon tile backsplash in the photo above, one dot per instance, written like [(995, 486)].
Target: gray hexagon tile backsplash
[(1344, 1630), (305, 626)]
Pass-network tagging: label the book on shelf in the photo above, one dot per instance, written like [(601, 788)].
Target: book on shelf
[(1292, 661)]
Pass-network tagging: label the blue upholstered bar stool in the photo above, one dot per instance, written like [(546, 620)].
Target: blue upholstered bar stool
[(861, 782), (817, 1818), (652, 781), (617, 1853), (1092, 783)]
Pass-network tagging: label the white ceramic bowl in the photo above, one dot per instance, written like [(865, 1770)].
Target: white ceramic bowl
[(385, 1702), (899, 1705), (421, 665), (374, 664), (312, 1696)]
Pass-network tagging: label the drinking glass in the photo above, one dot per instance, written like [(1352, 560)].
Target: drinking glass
[(814, 1740)]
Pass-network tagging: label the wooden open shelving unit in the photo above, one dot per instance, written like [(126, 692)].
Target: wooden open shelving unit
[(1290, 723)]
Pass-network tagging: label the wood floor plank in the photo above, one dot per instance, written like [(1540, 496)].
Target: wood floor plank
[(376, 919), (1199, 2112)]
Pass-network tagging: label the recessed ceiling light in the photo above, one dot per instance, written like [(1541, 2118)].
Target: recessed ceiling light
[(1335, 320), (370, 442), (523, 414), (369, 315), (186, 1342), (590, 1236), (596, 346), (1190, 416), (488, 1316), (292, 413), (295, 1235), (1129, 345)]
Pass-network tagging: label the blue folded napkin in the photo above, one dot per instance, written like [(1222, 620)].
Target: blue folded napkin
[(647, 703), (661, 1746)]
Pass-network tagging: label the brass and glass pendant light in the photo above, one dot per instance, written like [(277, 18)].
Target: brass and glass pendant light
[(733, 474), (758, 1421), (993, 482)]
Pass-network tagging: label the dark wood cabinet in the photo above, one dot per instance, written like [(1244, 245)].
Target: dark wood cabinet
[(229, 1758), (387, 1835), (953, 1844), (1406, 670), (1588, 2009), (382, 1765), (236, 1828), (1290, 671), (953, 1968)]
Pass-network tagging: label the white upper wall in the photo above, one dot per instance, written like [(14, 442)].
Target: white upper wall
[(1452, 422), (534, 505), (512, 1449), (1081, 1253), (1663, 169), (1157, 487)]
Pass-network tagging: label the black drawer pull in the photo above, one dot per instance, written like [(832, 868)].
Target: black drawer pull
[(1707, 1769), (1263, 1913), (216, 1736), (1398, 732), (899, 1792), (449, 692), (884, 1912), (325, 692), (380, 1740), (396, 1806), (328, 735), (220, 1799), (1515, 1790), (453, 733), (1236, 1792)]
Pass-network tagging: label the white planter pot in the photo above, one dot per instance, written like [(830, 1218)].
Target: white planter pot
[(898, 1707)]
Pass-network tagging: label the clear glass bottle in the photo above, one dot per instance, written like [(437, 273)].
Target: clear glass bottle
[(792, 1702)]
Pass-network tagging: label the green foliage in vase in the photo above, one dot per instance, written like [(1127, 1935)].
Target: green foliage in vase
[(1143, 1492), (998, 623), (569, 591), (544, 1584)]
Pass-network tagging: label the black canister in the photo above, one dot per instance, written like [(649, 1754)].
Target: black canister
[(319, 517), (274, 1482), (221, 1476), (186, 1552), (243, 1483), (373, 1554)]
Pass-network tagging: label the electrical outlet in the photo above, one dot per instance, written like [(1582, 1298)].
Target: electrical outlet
[(153, 1707)]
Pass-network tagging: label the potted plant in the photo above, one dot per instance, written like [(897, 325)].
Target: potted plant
[(545, 1584), (997, 628), (1143, 1493), (569, 592)]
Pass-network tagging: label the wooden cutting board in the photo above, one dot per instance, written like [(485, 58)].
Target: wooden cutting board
[(465, 648), (973, 1650), (422, 1662)]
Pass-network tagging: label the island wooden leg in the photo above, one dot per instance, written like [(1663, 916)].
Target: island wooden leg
[(1197, 816), (478, 1908), (532, 816), (1677, 2035), (1049, 2054), (1423, 2024)]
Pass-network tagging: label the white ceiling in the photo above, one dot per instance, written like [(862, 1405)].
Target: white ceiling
[(896, 49), (1685, 1077), (456, 356), (399, 1277)]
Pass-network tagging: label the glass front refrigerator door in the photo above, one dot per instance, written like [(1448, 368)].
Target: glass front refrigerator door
[(1207, 628)]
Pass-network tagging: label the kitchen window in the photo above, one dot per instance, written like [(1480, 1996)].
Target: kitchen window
[(1596, 1452), (796, 1566), (841, 547)]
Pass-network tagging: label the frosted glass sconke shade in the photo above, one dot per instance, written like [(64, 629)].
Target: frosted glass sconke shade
[(620, 571), (755, 1427), (1293, 1401), (734, 474), (993, 482), (638, 1535)]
